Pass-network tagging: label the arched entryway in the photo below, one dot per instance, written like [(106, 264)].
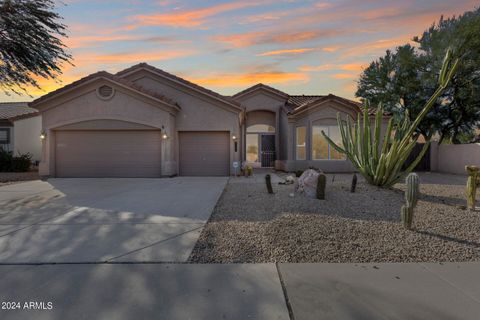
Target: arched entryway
[(260, 139)]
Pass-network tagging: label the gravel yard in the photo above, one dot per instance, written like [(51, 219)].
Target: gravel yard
[(249, 225), (14, 177)]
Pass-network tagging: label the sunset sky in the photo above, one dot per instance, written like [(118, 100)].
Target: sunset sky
[(300, 47)]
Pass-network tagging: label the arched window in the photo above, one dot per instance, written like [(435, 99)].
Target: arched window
[(260, 128)]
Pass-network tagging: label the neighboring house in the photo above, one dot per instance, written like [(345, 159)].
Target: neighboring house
[(20, 128), (145, 122)]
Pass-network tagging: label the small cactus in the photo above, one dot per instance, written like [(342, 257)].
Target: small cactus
[(411, 198), (471, 191), (354, 183), (268, 181), (321, 184)]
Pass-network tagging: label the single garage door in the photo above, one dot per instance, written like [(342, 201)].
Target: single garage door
[(204, 153), (108, 154)]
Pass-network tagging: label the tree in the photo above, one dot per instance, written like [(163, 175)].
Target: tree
[(404, 80), (30, 44)]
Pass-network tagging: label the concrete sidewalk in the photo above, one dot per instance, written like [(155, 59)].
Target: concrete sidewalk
[(243, 291)]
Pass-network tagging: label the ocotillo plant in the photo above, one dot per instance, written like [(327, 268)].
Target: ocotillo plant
[(361, 143), (321, 185), (471, 192), (411, 198)]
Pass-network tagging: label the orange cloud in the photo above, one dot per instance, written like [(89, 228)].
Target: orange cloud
[(190, 18), (331, 49), (240, 40), (343, 76), (246, 79), (132, 57), (353, 67), (285, 52)]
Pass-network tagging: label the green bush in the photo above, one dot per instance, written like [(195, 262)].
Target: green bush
[(11, 163)]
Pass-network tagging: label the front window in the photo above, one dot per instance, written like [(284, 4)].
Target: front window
[(252, 147), (260, 128), (321, 149), (4, 135), (301, 142)]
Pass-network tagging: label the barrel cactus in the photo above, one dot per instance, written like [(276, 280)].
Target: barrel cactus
[(412, 193)]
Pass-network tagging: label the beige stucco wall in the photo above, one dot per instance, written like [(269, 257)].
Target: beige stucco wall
[(198, 112), (452, 158), (27, 137), (84, 105)]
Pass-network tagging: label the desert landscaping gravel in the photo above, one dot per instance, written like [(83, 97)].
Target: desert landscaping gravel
[(15, 177), (250, 225)]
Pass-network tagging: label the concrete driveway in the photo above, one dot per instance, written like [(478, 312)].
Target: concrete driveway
[(98, 220)]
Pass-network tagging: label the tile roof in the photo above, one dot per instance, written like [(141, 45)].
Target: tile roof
[(14, 109), (109, 76), (178, 79)]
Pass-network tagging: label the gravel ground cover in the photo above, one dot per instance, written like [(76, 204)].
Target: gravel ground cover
[(249, 225), (14, 177)]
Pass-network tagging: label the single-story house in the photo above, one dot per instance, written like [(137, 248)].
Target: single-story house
[(145, 122), (19, 127)]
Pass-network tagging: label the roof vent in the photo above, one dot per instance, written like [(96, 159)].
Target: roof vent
[(105, 92)]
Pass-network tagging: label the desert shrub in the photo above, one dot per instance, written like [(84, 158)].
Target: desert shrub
[(11, 163)]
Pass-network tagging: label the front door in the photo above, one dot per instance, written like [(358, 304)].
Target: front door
[(267, 153)]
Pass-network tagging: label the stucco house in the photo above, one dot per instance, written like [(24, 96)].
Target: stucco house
[(145, 122), (19, 127)]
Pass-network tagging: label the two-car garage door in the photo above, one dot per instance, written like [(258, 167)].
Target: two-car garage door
[(137, 153), (108, 153)]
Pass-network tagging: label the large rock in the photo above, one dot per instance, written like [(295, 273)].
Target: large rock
[(307, 183)]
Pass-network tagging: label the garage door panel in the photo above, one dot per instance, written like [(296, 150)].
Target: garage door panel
[(204, 153), (108, 153)]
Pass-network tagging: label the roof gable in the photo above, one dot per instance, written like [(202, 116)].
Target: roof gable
[(110, 78), (260, 87), (183, 82)]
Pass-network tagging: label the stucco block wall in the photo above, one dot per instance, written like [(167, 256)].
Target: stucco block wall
[(123, 106), (452, 158), (27, 137)]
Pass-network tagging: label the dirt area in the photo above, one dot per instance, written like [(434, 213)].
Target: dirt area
[(15, 177), (250, 225)]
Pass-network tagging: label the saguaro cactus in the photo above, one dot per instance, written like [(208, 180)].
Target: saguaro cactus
[(471, 192), (354, 183), (411, 198), (321, 184)]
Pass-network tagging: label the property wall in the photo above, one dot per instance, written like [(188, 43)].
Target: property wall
[(198, 112), (84, 105), (452, 158), (27, 137)]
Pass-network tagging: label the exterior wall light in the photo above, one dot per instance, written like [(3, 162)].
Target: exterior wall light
[(43, 135), (164, 136), (234, 137)]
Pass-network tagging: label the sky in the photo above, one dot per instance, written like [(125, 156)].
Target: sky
[(300, 47)]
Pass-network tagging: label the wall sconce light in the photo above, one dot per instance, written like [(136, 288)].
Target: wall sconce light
[(234, 137), (164, 136), (43, 135)]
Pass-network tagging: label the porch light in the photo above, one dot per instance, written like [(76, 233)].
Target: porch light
[(234, 137), (164, 136), (43, 135)]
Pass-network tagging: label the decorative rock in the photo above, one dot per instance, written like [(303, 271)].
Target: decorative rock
[(307, 183)]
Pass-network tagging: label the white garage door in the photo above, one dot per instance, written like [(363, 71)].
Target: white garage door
[(204, 153), (107, 153)]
